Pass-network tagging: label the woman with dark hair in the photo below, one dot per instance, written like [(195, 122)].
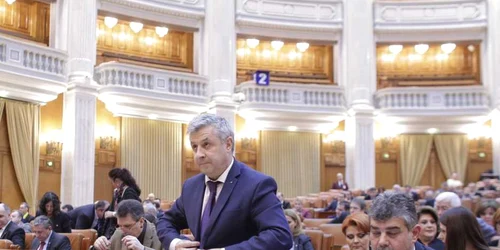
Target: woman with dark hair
[(460, 230), (50, 206), (428, 221), (125, 189), (300, 240), (356, 228), (486, 211)]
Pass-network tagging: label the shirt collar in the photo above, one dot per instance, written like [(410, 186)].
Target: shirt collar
[(222, 178)]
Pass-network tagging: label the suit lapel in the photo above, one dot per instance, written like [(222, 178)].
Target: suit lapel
[(5, 230), (148, 236), (36, 244), (224, 195), (198, 193)]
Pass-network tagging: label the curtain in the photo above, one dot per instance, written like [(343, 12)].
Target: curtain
[(414, 155), (453, 154), (23, 123), (293, 160), (2, 104), (152, 151)]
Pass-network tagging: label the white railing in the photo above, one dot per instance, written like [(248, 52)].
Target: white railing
[(131, 76), (419, 14), (467, 97), (293, 94), (41, 61)]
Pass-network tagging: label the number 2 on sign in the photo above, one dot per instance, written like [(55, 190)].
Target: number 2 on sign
[(262, 78)]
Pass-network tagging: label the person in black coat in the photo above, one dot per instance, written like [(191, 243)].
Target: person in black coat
[(50, 206), (44, 233), (300, 240), (89, 216), (125, 189), (341, 213), (284, 204), (11, 232)]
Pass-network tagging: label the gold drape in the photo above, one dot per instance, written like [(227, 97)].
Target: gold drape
[(414, 155), (293, 160), (2, 104), (453, 154), (23, 123), (152, 151)]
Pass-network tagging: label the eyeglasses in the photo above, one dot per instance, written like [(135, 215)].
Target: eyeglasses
[(129, 226)]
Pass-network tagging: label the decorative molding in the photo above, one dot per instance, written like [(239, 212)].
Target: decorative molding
[(291, 18), (129, 90), (31, 72), (309, 107), (186, 13), (447, 16)]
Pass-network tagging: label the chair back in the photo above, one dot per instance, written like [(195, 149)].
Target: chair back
[(91, 234), (7, 244), (327, 242), (336, 231), (314, 223), (28, 240), (75, 240), (316, 238)]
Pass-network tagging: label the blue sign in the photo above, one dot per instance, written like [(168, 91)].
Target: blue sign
[(262, 77)]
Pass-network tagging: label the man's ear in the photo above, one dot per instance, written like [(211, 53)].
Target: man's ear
[(415, 232), (229, 143)]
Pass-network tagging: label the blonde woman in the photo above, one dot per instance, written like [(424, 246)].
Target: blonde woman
[(300, 240)]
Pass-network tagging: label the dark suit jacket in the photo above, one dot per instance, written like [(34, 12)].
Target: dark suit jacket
[(28, 219), (82, 217), (420, 246), (332, 206), (343, 187), (61, 222), (14, 233), (247, 214), (302, 242), (339, 219), (286, 205), (56, 242)]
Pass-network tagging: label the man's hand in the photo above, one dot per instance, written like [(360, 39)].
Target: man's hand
[(132, 243), (109, 214), (187, 244), (102, 243)]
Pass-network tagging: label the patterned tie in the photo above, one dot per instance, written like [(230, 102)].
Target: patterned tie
[(205, 219), (42, 244)]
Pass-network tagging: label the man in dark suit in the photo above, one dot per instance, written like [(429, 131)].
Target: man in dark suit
[(45, 237), (88, 216), (340, 183), (394, 223), (228, 205), (333, 205), (284, 204), (341, 212), (25, 209), (8, 229)]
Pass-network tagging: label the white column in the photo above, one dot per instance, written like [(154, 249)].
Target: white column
[(491, 75), (358, 76), (219, 56), (79, 111)]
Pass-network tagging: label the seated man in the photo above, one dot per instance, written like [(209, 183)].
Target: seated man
[(89, 216), (394, 223), (46, 238), (24, 209), (133, 232), (341, 213), (333, 205), (17, 218), (8, 229), (284, 204)]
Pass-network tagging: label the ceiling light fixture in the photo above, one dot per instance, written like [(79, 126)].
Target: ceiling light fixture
[(136, 26), (252, 43), (161, 31), (395, 48), (448, 47), (110, 22), (277, 45), (10, 1), (421, 48), (303, 46)]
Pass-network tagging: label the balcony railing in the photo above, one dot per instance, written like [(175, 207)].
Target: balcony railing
[(43, 61), (433, 98), (293, 94), (131, 76)]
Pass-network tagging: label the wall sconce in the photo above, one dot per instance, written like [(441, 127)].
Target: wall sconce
[(107, 137), (336, 140), (53, 142)]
